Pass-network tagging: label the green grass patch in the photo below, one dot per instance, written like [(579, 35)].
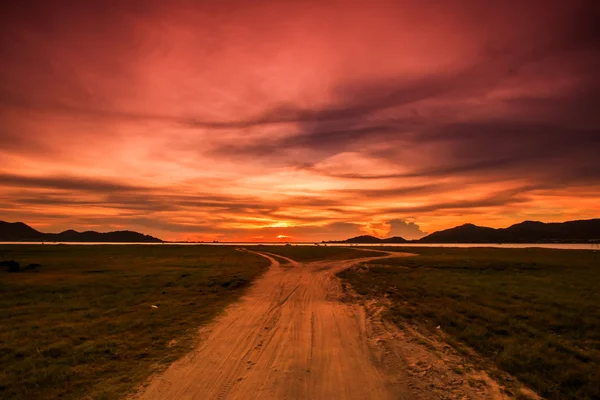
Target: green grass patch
[(314, 253), (83, 326), (535, 313)]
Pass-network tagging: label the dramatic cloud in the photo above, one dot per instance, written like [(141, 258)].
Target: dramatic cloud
[(405, 229), (298, 120)]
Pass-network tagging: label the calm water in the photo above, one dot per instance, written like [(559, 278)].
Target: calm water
[(566, 246)]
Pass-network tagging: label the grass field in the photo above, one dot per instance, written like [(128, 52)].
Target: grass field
[(534, 313), (314, 253), (83, 326)]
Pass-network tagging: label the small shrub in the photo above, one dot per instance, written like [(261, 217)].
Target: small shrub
[(31, 267), (11, 266)]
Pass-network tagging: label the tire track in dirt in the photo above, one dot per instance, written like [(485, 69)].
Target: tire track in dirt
[(291, 337)]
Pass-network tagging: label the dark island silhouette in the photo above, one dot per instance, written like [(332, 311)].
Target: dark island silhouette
[(582, 231), (373, 239), (20, 232)]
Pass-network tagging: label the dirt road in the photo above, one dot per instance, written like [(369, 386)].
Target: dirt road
[(292, 337)]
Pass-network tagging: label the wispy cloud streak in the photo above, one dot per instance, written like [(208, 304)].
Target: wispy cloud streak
[(198, 120)]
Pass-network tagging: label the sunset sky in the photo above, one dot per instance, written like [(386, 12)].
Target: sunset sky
[(303, 120)]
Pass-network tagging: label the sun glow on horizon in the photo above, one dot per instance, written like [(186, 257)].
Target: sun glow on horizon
[(391, 127)]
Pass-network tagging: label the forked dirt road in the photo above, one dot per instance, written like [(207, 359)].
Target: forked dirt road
[(292, 337)]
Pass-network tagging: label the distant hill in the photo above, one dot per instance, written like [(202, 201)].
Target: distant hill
[(20, 232), (467, 233), (524, 232), (395, 239), (372, 239), (363, 239)]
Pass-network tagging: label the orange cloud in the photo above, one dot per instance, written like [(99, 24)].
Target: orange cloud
[(302, 120), (381, 229)]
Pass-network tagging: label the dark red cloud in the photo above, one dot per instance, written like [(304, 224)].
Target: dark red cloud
[(298, 118)]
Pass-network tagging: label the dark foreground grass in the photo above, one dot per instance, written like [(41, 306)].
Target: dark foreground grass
[(535, 313), (314, 253), (84, 326)]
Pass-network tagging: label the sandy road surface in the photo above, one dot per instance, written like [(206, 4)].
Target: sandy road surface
[(291, 337)]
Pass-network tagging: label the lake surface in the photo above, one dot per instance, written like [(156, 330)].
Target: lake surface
[(565, 246)]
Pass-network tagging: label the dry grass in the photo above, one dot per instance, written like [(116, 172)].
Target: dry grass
[(534, 313), (83, 326)]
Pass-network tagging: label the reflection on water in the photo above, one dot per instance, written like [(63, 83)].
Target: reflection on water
[(565, 246)]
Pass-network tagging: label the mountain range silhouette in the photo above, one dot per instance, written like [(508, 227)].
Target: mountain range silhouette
[(20, 232), (582, 231)]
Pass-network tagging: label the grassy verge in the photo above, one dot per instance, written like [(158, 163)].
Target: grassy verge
[(314, 253), (534, 313), (83, 326)]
